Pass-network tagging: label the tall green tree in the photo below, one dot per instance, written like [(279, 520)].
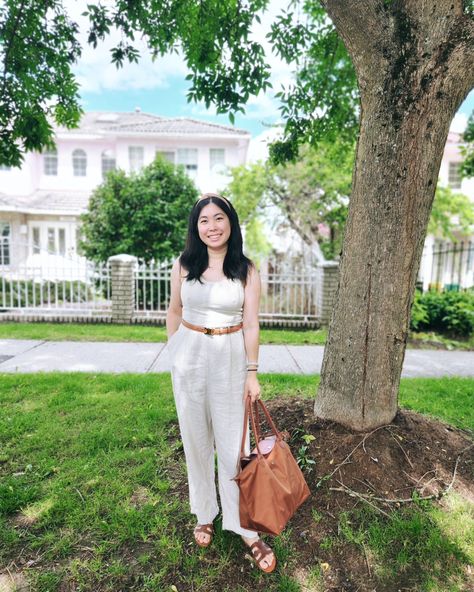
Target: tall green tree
[(396, 70), (143, 214), (452, 215), (312, 191)]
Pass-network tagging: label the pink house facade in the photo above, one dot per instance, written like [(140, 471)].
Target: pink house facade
[(40, 203)]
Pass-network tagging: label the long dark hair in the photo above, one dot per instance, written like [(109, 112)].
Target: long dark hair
[(195, 259)]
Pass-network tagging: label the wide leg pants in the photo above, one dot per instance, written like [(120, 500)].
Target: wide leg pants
[(208, 374)]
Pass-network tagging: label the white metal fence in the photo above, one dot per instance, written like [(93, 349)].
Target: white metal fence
[(152, 289), (46, 283), (288, 291)]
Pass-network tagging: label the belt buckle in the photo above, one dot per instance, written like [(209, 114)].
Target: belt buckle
[(208, 331)]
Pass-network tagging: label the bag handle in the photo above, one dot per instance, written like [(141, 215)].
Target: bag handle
[(250, 410)]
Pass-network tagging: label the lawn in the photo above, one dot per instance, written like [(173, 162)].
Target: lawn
[(93, 488), (146, 333)]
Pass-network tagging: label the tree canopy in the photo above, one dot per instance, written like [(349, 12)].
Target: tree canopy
[(39, 44)]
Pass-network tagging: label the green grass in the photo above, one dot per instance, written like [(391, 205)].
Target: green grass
[(417, 540), (146, 333), (92, 489)]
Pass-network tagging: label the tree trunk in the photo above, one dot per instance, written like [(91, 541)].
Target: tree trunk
[(412, 74)]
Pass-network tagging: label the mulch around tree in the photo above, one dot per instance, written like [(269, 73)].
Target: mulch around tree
[(413, 454)]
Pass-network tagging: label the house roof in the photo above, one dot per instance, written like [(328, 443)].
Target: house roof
[(132, 123), (46, 202)]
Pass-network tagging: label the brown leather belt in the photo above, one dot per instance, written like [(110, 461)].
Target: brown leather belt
[(215, 331)]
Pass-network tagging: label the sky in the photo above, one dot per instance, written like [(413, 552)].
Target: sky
[(160, 87)]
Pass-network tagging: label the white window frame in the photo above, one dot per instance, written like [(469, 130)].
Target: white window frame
[(108, 162), (79, 163), (454, 174), (136, 158), (165, 154), (5, 244), (217, 165), (189, 158), (35, 240), (61, 233), (50, 163)]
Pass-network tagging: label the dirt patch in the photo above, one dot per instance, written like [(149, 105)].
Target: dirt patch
[(413, 454)]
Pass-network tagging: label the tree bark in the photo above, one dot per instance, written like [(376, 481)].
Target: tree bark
[(412, 62)]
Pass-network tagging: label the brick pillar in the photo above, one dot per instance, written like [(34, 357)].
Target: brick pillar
[(327, 275), (123, 287)]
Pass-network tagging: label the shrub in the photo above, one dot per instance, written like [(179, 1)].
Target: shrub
[(445, 312)]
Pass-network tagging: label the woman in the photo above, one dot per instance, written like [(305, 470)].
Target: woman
[(215, 286)]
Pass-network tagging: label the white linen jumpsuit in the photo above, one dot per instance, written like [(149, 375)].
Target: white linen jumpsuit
[(208, 374)]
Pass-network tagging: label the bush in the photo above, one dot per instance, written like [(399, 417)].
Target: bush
[(444, 312), (143, 214)]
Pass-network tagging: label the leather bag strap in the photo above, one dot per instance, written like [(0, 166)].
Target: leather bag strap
[(256, 430)]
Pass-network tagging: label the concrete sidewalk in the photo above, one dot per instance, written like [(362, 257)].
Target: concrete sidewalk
[(82, 356)]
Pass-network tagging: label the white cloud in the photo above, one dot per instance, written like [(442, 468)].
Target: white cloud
[(459, 123), (95, 72), (258, 146)]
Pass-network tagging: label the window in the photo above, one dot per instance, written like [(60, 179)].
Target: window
[(56, 240), (189, 158), (135, 157), (62, 241), (167, 155), (78, 240), (108, 162), (51, 241), (454, 175), (50, 162), (36, 240), (4, 243), (79, 163), (217, 160)]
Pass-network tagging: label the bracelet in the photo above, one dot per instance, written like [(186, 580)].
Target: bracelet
[(251, 369)]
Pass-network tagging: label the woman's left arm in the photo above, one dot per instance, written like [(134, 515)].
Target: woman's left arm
[(251, 331)]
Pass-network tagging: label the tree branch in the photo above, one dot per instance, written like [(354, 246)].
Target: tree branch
[(353, 19)]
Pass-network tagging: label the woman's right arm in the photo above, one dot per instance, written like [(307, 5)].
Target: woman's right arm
[(175, 308)]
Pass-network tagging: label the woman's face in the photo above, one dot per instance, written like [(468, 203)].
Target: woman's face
[(213, 226)]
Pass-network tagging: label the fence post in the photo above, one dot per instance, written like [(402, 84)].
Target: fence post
[(123, 287), (327, 275)]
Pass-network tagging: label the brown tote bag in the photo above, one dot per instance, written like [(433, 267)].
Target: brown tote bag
[(271, 484)]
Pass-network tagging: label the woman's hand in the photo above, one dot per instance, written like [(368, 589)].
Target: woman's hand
[(252, 387)]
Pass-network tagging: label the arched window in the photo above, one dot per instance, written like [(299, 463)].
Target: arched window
[(108, 162), (79, 163), (50, 162)]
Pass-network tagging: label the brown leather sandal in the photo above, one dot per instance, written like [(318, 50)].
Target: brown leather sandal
[(204, 529), (260, 550)]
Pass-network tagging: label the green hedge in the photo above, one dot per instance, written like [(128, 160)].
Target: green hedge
[(451, 313)]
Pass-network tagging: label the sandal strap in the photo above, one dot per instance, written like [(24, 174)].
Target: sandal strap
[(204, 529), (262, 548)]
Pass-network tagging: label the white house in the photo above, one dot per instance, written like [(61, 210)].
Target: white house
[(40, 203)]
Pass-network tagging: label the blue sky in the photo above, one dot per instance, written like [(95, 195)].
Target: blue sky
[(171, 102)]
